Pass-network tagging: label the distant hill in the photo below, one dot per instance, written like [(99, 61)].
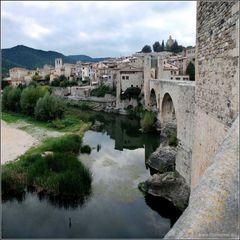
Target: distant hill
[(84, 58), (22, 56)]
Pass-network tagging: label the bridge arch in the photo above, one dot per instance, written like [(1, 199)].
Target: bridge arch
[(153, 100), (168, 114)]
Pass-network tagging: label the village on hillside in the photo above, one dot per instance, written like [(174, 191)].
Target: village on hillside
[(128, 71)]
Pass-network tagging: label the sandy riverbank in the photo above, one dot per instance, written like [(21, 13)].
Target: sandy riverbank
[(14, 142)]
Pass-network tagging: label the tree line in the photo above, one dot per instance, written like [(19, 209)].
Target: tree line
[(157, 47)]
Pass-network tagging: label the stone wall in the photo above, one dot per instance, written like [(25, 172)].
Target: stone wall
[(182, 94), (217, 83), (213, 211)]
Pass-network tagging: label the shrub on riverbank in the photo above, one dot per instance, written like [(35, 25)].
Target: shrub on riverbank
[(49, 107), (102, 90), (11, 99), (52, 167), (172, 138), (68, 143), (29, 98), (148, 121), (86, 149)]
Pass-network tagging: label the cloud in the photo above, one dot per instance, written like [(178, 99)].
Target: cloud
[(96, 28)]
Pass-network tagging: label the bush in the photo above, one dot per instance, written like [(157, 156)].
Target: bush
[(6, 92), (14, 100), (58, 124), (11, 99), (57, 173), (29, 98), (131, 92), (86, 149), (49, 107), (84, 106), (55, 82), (148, 121), (102, 90), (172, 138), (67, 143)]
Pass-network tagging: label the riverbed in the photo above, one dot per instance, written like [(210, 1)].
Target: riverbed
[(115, 207)]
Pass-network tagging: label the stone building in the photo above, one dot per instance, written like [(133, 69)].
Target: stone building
[(213, 211), (169, 42)]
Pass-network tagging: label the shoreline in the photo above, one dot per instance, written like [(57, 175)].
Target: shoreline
[(14, 142)]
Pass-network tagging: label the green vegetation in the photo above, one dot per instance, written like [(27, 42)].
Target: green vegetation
[(191, 71), (36, 77), (146, 49), (131, 92), (157, 47), (62, 81), (102, 90), (86, 149), (172, 138), (49, 107), (148, 121), (52, 167), (29, 98), (33, 101)]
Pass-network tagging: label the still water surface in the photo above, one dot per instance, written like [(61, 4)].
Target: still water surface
[(115, 208)]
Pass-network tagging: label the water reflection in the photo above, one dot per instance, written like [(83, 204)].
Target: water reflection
[(63, 202), (115, 208), (163, 207), (125, 131)]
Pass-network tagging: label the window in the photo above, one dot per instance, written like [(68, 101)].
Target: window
[(127, 77), (131, 85), (137, 86), (177, 78), (123, 77)]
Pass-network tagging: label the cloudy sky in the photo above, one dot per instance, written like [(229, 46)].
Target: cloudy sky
[(98, 29)]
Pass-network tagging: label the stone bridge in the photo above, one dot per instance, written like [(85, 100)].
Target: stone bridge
[(174, 101)]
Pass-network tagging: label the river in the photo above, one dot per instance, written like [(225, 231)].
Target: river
[(115, 207)]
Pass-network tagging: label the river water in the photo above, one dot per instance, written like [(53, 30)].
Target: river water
[(115, 208)]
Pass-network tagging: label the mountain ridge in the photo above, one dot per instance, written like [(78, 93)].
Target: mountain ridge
[(31, 58)]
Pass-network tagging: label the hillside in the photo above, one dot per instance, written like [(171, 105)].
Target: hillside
[(22, 56)]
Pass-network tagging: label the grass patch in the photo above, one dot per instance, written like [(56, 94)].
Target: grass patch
[(69, 123), (57, 172), (172, 138), (148, 121)]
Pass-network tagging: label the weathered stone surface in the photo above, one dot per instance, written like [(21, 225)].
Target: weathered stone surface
[(217, 80), (163, 159), (182, 94), (170, 186), (213, 211)]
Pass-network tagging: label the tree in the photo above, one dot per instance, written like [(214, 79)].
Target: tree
[(146, 49), (49, 107), (29, 98), (11, 99), (191, 71), (156, 47), (174, 47), (5, 97), (36, 77), (47, 77), (14, 99), (162, 46)]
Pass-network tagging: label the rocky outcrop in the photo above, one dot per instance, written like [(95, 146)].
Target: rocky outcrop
[(170, 186), (163, 159), (97, 126)]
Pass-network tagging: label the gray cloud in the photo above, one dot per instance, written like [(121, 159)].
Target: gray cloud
[(96, 28)]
